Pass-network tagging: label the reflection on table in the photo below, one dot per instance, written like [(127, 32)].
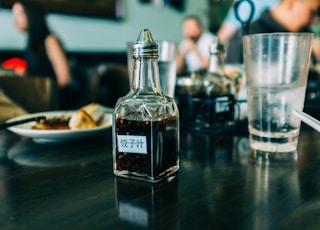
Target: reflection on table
[(71, 185)]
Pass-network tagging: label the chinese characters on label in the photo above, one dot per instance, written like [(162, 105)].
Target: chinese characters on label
[(222, 104), (132, 144)]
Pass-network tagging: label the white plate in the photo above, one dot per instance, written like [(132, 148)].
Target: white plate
[(58, 135)]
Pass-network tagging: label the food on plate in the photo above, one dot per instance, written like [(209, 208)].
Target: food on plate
[(81, 120), (89, 116), (237, 76), (96, 111), (61, 122)]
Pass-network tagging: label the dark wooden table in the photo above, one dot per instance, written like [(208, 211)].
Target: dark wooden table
[(71, 186)]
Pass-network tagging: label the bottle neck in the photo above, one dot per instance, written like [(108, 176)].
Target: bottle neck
[(216, 63), (146, 76)]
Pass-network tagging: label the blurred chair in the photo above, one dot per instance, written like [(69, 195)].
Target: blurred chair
[(34, 94), (110, 81)]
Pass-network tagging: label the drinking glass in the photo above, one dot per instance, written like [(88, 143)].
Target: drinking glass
[(276, 67)]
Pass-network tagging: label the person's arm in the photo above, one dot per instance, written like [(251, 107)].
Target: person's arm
[(316, 49), (203, 60), (59, 60), (180, 62), (184, 47), (187, 46), (226, 31)]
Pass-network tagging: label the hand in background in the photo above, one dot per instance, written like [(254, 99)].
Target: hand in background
[(187, 45)]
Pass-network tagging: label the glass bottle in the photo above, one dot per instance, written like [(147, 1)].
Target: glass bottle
[(216, 81), (217, 95), (145, 121)]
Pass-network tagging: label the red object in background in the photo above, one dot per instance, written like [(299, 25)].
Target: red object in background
[(19, 65)]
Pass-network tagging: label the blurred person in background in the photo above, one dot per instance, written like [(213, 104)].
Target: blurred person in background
[(44, 52), (230, 24), (193, 51), (286, 16)]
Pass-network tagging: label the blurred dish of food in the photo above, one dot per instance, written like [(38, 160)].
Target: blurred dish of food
[(65, 125), (89, 116)]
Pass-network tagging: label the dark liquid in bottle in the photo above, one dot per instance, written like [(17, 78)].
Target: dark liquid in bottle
[(197, 109), (162, 148)]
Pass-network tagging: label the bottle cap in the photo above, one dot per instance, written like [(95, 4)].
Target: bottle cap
[(145, 46)]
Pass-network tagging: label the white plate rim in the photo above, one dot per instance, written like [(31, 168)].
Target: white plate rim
[(57, 135)]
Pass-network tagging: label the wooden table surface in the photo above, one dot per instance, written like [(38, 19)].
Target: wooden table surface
[(71, 186)]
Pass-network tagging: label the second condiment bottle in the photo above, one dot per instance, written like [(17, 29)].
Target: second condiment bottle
[(218, 90), (216, 81)]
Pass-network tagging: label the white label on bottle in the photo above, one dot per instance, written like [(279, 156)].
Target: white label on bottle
[(132, 144), (222, 104)]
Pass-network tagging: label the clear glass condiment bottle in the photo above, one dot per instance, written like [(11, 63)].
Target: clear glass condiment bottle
[(217, 93), (216, 81), (145, 122)]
